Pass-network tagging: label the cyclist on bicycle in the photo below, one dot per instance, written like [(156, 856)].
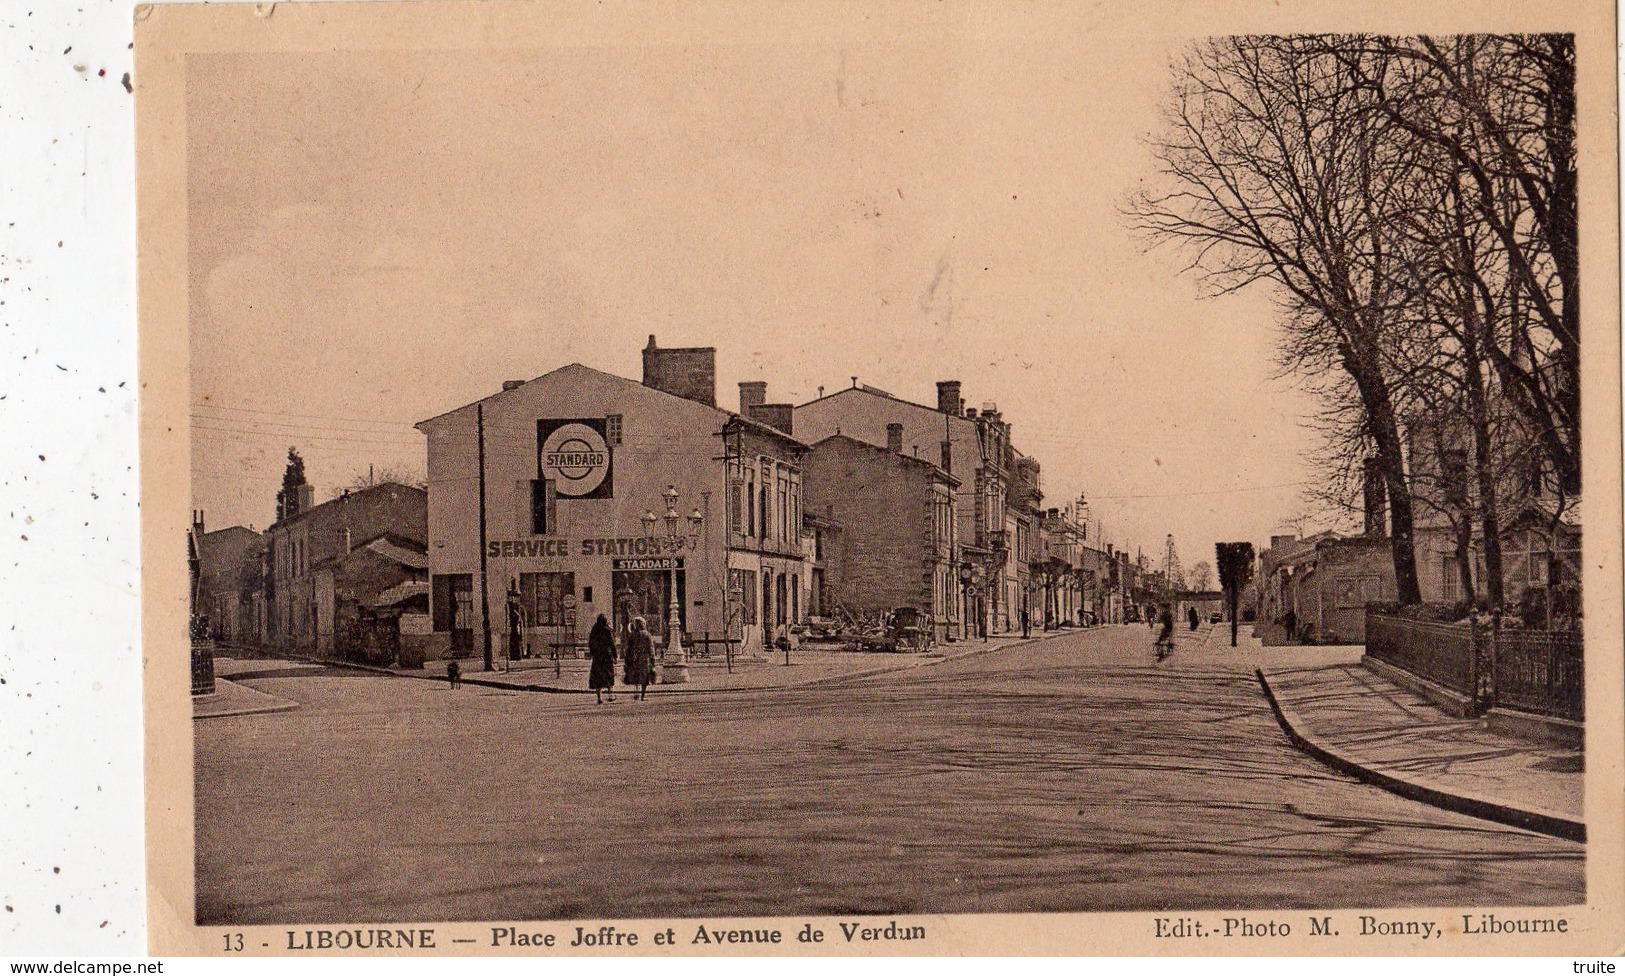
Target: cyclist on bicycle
[(1165, 636)]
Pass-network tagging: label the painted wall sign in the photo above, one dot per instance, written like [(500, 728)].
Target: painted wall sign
[(556, 548), (575, 456)]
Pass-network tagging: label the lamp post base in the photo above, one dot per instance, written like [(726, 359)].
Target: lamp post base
[(674, 661)]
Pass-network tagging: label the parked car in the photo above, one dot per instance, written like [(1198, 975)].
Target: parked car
[(1216, 617)]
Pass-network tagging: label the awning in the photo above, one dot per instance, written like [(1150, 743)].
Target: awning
[(401, 592)]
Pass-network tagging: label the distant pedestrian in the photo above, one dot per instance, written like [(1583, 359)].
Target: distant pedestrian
[(454, 674), (601, 648), (1291, 621), (640, 658), (1195, 618), (1026, 625)]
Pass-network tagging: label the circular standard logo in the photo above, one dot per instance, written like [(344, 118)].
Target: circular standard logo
[(576, 459)]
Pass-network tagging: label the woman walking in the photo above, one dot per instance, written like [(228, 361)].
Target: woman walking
[(601, 648), (640, 658)]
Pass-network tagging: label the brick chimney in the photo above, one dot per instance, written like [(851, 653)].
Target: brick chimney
[(752, 394), (690, 373), (779, 416), (305, 496), (894, 438), (948, 398)]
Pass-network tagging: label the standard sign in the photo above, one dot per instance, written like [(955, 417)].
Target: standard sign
[(575, 457), (665, 564)]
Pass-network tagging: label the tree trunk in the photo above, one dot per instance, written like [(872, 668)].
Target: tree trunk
[(1488, 502), (1464, 558), (1363, 366)]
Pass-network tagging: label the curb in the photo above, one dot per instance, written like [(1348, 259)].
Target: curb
[(924, 663), (279, 705), (674, 689), (259, 710), (1550, 824)]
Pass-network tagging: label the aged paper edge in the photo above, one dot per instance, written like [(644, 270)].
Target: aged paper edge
[(164, 36)]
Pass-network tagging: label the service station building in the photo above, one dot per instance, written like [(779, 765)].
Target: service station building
[(581, 493)]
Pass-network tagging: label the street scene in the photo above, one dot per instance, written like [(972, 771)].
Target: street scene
[(751, 493), (1156, 786)]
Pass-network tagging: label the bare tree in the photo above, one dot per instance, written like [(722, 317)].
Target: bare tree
[(1485, 125), (1276, 173), (1500, 109), (1201, 577), (386, 475)]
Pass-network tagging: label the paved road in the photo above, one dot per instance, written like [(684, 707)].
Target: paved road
[(1073, 774)]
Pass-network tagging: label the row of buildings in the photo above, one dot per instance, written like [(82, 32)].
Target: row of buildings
[(1322, 583), (581, 493)]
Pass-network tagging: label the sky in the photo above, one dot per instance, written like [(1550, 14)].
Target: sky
[(378, 237)]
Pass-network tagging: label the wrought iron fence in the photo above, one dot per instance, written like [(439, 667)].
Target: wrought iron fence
[(202, 666), (1541, 671), (1445, 654)]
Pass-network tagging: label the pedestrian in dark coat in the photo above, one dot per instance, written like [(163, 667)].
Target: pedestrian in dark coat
[(601, 648), (640, 658), (1195, 618)]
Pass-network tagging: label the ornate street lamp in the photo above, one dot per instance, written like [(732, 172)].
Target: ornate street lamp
[(674, 659)]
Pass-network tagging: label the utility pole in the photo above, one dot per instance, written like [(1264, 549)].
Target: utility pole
[(1168, 574), (485, 601), (1168, 567)]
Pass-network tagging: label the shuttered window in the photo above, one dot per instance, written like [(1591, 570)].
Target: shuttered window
[(543, 507)]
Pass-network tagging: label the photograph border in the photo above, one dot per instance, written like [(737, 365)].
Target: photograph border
[(166, 35)]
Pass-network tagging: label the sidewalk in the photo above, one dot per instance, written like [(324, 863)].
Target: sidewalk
[(231, 698), (1361, 723), (809, 665)]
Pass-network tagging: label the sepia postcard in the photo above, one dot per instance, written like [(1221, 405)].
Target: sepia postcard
[(872, 478)]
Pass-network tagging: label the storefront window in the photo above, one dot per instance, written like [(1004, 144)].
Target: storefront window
[(542, 597)]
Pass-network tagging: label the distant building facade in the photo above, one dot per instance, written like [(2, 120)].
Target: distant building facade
[(369, 597), (230, 580), (300, 602), (974, 447), (1324, 582), (1539, 529), (899, 520)]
